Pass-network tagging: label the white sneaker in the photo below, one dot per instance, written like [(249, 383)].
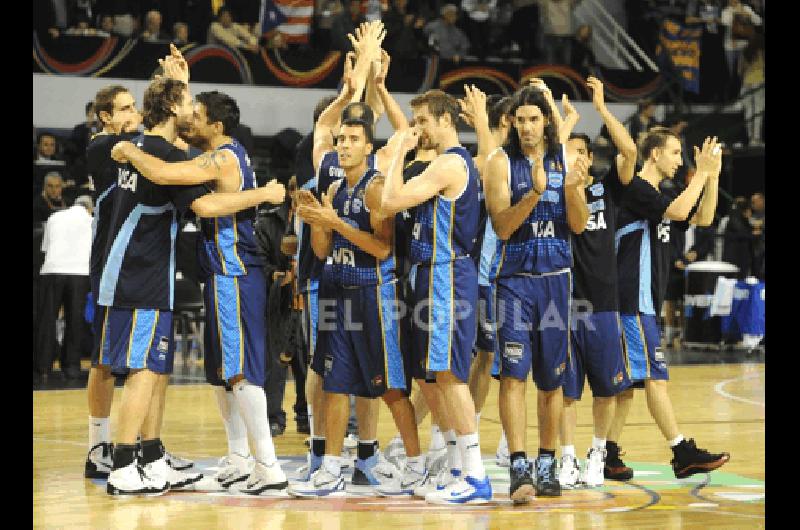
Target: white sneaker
[(443, 479), (161, 470), (592, 473), (322, 484), (569, 474), (396, 452), (176, 462), (233, 469), (312, 464), (466, 490), (502, 457), (98, 461), (132, 480), (267, 481), (402, 484), (435, 460), (384, 470)]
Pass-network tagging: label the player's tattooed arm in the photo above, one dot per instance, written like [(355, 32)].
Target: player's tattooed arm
[(205, 168)]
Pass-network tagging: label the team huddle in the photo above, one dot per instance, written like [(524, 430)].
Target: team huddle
[(437, 266)]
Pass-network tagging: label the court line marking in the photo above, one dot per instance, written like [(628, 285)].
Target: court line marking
[(719, 388)]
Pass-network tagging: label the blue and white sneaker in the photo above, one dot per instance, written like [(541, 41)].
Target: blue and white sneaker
[(443, 479), (547, 484), (404, 484), (374, 471), (313, 463), (322, 484), (468, 490)]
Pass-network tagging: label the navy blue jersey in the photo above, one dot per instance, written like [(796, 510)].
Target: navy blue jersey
[(229, 241), (595, 270), (351, 265), (139, 256), (404, 222), (446, 229), (642, 240), (309, 267), (542, 242), (103, 171)]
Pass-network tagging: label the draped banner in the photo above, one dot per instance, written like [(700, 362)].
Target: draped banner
[(679, 47), (133, 59)]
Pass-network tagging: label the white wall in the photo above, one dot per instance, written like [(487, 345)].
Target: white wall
[(58, 102)]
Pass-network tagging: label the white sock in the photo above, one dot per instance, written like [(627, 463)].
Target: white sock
[(471, 454), (310, 410), (502, 445), (253, 405), (416, 463), (396, 439), (437, 439), (453, 453), (477, 421), (99, 431), (598, 443), (332, 464), (567, 450), (235, 429), (676, 441)]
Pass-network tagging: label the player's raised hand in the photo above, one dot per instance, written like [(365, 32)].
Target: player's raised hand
[(473, 106), (569, 110), (540, 84), (380, 79), (409, 139), (120, 152), (598, 98), (709, 158)]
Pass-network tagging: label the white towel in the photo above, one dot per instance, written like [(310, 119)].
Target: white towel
[(723, 297)]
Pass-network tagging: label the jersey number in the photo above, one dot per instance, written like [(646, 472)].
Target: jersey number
[(126, 179), (663, 232), (415, 232)]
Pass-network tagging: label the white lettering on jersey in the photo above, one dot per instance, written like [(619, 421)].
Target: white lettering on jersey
[(417, 228), (663, 231), (543, 229), (336, 172), (596, 221), (344, 256), (126, 179)]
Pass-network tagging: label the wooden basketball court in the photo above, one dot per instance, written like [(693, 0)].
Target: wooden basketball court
[(720, 405)]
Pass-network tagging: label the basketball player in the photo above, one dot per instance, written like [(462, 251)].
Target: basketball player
[(446, 226), (534, 203)]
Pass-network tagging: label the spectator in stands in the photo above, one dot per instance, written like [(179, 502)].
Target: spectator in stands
[(525, 27), (449, 41), (76, 153), (758, 227), (478, 12), (713, 68), (50, 200), (558, 29), (346, 22), (403, 31), (180, 34), (225, 31), (583, 60), (106, 28), (643, 120), (739, 20), (152, 27), (46, 148), (751, 69), (738, 238), (64, 280)]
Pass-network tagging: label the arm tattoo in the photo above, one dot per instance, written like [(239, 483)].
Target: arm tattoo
[(204, 161)]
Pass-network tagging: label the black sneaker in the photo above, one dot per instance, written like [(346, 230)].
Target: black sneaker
[(521, 489), (547, 484), (615, 468), (690, 460)]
